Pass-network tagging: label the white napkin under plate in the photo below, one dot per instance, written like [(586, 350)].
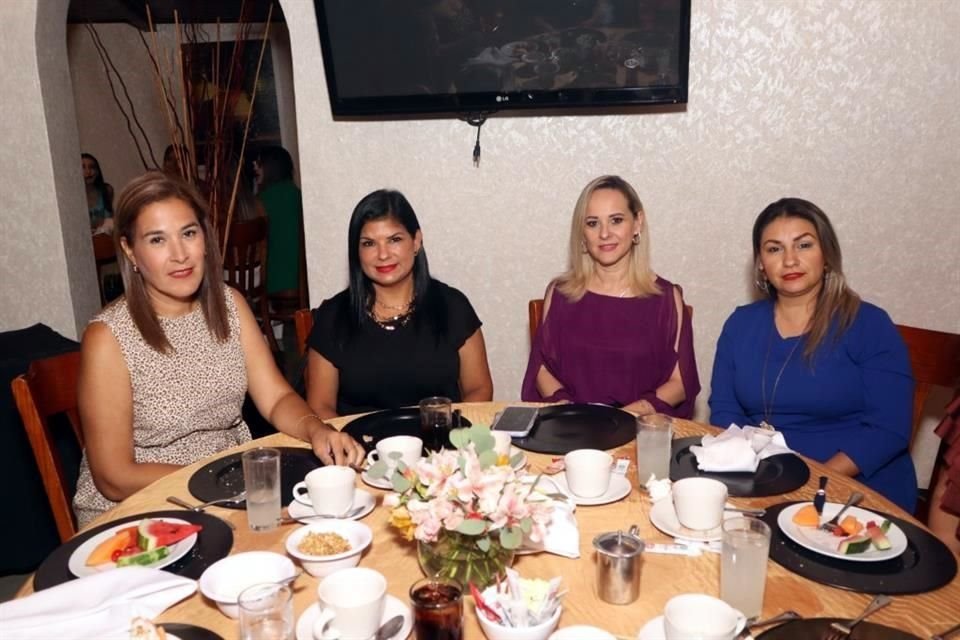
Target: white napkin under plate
[(99, 606), (738, 449), (563, 536)]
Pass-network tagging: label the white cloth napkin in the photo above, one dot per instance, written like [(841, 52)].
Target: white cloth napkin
[(738, 449), (100, 606), (563, 535)]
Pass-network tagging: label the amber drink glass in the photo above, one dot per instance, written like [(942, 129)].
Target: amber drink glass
[(437, 609)]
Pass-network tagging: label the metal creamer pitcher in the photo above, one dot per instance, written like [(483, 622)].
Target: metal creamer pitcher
[(619, 560)]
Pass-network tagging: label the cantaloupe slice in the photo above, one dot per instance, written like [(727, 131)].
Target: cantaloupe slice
[(851, 525), (104, 551), (806, 517)]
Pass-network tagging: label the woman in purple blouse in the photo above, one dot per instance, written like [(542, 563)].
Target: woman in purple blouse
[(613, 331)]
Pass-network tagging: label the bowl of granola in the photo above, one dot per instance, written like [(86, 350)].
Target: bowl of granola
[(328, 546)]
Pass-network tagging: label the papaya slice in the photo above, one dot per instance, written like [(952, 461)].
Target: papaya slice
[(105, 550)]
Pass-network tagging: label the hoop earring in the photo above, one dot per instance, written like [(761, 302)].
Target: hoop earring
[(762, 283), (636, 238), (583, 247)]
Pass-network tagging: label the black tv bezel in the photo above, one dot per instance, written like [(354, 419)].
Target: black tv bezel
[(488, 102)]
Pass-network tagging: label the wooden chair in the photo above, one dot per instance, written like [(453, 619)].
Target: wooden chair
[(104, 253), (48, 388), (535, 315), (245, 269), (303, 323), (935, 360)]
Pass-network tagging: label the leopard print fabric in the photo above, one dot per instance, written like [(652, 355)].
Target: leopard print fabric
[(186, 403)]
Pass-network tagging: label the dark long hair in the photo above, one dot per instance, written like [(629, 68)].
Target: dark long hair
[(381, 204), (99, 183), (140, 193), (836, 302), (276, 165)]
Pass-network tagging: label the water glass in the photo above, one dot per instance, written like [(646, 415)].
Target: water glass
[(654, 434), (437, 609), (436, 419), (743, 564), (266, 612), (261, 479)]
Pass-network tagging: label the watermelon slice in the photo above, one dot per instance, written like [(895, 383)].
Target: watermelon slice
[(855, 544), (160, 533), (877, 535), (145, 557)]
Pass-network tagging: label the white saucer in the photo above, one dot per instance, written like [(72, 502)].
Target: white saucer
[(653, 630), (664, 517), (377, 483), (391, 607), (618, 490), (303, 513)]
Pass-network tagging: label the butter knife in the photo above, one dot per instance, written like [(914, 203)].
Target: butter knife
[(821, 498)]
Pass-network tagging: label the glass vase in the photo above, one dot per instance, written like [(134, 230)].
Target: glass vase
[(455, 555)]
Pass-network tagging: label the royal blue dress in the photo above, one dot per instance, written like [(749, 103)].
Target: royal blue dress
[(857, 397)]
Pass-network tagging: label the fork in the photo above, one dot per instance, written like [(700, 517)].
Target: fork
[(840, 631), (834, 522)]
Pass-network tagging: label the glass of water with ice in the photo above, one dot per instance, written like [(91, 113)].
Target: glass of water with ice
[(266, 612), (261, 479), (654, 435)]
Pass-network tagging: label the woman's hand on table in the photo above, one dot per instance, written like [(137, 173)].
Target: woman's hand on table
[(335, 447)]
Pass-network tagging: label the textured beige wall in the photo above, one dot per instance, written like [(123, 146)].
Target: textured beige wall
[(46, 259), (849, 104)]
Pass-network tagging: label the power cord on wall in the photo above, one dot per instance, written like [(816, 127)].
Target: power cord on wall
[(476, 120)]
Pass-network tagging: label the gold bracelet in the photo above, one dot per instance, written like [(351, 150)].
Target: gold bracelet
[(309, 415)]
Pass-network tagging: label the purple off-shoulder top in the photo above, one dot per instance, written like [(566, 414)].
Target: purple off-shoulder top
[(614, 350)]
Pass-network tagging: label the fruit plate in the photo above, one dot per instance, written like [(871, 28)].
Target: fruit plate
[(825, 543), (77, 562)]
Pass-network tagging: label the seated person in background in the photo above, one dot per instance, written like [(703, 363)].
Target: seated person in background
[(395, 335), (613, 331), (944, 519), (99, 194), (283, 205), (815, 362), (164, 369)]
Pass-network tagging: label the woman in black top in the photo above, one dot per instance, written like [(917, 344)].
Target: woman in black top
[(395, 335)]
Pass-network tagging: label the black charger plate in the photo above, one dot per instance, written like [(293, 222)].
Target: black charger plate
[(223, 477), (774, 476), (370, 429), (214, 542), (926, 565), (818, 627), (560, 429), (190, 632)]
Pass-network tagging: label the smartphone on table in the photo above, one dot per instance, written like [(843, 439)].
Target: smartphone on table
[(517, 421)]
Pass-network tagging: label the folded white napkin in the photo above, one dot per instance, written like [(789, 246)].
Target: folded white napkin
[(97, 606), (563, 536), (738, 449)]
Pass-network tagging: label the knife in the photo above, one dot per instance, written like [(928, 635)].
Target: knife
[(821, 498)]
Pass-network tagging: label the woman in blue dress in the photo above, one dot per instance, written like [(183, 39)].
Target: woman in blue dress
[(812, 360)]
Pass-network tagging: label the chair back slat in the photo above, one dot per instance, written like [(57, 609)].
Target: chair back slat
[(245, 269), (50, 388), (935, 361)]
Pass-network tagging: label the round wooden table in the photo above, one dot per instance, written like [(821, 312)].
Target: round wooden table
[(663, 576)]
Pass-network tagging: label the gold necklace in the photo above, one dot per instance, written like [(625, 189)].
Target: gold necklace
[(768, 408), (402, 307), (394, 323)]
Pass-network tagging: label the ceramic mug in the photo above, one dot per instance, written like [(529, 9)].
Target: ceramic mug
[(329, 490), (588, 472), (699, 502), (701, 617), (408, 449), (351, 604)]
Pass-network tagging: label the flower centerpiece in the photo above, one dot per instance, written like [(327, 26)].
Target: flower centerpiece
[(467, 513)]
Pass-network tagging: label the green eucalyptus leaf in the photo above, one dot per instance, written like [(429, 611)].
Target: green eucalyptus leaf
[(516, 459), (487, 459), (526, 524), (458, 438), (483, 544), (395, 455), (378, 469), (482, 440), (472, 527), (510, 537), (400, 483)]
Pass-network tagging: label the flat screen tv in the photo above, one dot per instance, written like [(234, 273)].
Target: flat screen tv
[(396, 57)]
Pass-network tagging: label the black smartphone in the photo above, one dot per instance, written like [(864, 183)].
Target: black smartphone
[(517, 421)]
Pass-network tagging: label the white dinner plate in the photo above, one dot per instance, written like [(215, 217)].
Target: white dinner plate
[(618, 490), (391, 607), (77, 561), (825, 543), (664, 517), (306, 514), (653, 630)]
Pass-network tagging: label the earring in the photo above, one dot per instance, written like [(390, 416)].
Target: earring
[(136, 269), (583, 247), (762, 283), (416, 253), (636, 238)]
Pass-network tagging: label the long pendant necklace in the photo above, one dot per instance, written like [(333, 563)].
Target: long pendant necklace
[(768, 408)]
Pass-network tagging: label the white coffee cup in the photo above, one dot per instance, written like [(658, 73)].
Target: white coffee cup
[(409, 449), (501, 442), (699, 502), (588, 472), (329, 490), (696, 616), (351, 604)]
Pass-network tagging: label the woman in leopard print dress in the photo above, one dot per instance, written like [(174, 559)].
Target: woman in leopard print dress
[(164, 369)]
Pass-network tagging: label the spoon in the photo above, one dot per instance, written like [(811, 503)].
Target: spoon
[(323, 516), (750, 512), (389, 628), (240, 497), (189, 507)]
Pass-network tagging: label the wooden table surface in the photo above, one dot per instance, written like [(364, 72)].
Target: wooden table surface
[(663, 576)]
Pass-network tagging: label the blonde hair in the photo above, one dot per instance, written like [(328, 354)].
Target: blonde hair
[(581, 266)]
